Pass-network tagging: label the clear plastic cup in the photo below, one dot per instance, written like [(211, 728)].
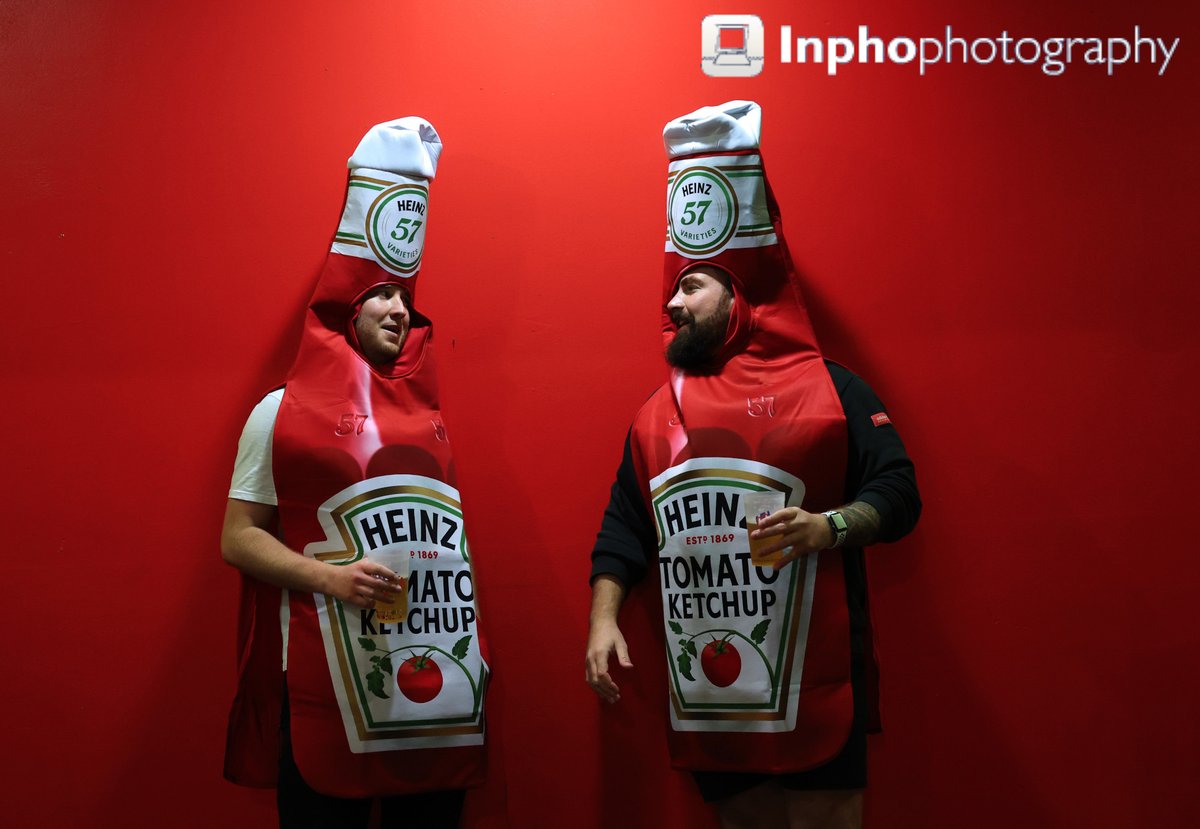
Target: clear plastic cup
[(393, 607), (759, 505)]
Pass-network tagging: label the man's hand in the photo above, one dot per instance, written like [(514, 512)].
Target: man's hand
[(604, 637), (360, 583), (804, 532), (808, 532)]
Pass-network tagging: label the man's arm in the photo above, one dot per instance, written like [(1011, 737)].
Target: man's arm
[(884, 503), (618, 561), (249, 545), (604, 637)]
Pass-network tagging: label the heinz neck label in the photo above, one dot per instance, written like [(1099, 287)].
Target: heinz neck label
[(384, 220), (717, 202)]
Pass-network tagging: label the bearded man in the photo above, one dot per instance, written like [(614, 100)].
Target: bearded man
[(770, 667)]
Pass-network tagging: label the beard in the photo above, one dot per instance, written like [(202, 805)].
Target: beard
[(696, 345)]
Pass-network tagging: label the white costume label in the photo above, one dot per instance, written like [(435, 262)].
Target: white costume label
[(735, 633), (717, 202), (384, 220), (417, 683)]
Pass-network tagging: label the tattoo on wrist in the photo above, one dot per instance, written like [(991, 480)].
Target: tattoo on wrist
[(862, 524)]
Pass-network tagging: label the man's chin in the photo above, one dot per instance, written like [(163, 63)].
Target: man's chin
[(684, 355), (696, 344), (382, 354)]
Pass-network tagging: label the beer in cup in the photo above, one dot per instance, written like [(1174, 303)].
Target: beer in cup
[(393, 607), (759, 505)]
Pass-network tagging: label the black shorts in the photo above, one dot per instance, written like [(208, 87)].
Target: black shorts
[(846, 771)]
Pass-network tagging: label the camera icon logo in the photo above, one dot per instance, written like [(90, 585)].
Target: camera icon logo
[(731, 45)]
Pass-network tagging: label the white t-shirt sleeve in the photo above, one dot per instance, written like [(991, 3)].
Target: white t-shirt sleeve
[(253, 479)]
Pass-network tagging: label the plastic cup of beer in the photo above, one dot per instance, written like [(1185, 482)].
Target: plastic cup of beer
[(759, 505), (393, 607)]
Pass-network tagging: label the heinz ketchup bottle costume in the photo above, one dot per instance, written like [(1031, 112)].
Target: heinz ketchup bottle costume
[(776, 695), (363, 467)]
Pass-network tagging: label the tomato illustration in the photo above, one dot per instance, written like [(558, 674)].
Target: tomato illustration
[(419, 678), (721, 663)]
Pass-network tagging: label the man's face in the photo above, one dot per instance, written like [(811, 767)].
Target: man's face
[(382, 324), (700, 311)]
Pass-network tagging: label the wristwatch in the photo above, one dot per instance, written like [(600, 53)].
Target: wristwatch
[(838, 525)]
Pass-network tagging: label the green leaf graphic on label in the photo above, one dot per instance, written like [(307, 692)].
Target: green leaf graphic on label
[(675, 627), (460, 647), (375, 683), (760, 632), (685, 665), (366, 644), (690, 646), (385, 665)]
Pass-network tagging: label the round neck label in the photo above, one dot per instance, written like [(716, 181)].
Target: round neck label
[(702, 211), (396, 226)]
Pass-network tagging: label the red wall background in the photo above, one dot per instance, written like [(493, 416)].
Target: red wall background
[(1009, 258)]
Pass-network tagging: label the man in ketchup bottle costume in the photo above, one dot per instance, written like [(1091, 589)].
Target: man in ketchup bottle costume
[(362, 672), (770, 666)]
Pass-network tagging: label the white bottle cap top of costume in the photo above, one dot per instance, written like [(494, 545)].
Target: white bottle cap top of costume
[(733, 125), (408, 146), (387, 197)]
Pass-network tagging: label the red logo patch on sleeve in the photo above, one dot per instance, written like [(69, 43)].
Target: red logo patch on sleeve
[(881, 419)]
